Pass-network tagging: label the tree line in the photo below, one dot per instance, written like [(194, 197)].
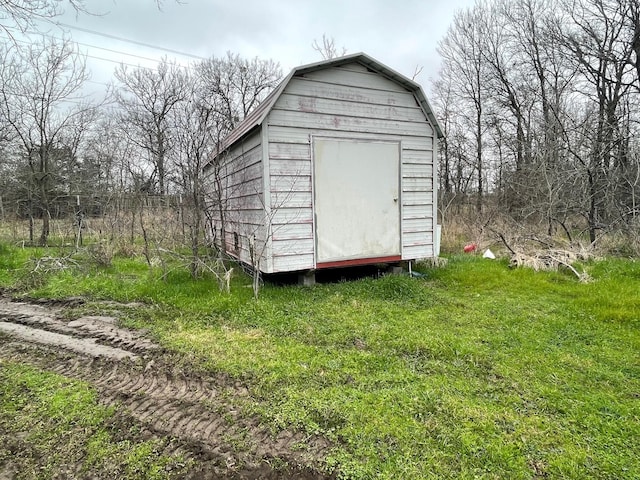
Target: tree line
[(539, 103), (152, 134)]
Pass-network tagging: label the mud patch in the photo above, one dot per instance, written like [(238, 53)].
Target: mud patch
[(80, 345), (193, 415)]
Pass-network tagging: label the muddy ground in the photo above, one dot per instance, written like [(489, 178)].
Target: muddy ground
[(195, 415)]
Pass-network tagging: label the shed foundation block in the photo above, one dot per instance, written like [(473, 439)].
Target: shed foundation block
[(307, 279), (397, 268)]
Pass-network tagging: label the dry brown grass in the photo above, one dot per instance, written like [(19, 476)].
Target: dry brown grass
[(123, 230), (621, 243)]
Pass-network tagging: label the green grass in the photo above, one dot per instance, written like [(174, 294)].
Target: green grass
[(50, 424), (475, 371), (11, 261)]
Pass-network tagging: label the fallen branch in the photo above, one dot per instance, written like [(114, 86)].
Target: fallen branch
[(504, 241), (583, 277), (550, 260), (52, 264)]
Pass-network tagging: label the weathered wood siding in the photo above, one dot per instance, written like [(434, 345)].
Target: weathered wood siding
[(241, 176), (345, 102)]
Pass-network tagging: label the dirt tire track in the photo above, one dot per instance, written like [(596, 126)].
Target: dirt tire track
[(103, 329), (199, 413)]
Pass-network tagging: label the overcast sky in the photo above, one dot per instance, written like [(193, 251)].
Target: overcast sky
[(402, 34)]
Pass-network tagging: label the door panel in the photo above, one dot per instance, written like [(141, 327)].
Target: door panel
[(356, 195)]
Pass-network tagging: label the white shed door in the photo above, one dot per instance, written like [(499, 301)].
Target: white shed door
[(357, 201)]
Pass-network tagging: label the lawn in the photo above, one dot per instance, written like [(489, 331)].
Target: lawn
[(473, 371)]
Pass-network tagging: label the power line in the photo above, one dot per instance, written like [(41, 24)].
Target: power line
[(120, 52), (115, 51), (87, 55), (102, 84), (122, 39), (119, 62)]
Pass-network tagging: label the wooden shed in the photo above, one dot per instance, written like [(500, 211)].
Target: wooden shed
[(336, 167)]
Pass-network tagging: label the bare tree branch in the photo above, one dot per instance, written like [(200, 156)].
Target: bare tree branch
[(327, 49)]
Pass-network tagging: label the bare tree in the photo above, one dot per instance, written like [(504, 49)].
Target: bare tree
[(462, 53), (237, 84), (508, 83), (40, 100), (528, 78), (147, 98), (633, 22), (23, 13), (456, 168), (543, 96), (232, 87), (195, 123), (417, 71), (599, 47)]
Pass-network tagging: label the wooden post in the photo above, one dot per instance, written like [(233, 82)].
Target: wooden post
[(79, 221), (30, 217)]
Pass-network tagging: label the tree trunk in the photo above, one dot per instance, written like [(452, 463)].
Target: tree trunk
[(447, 166), (160, 163), (195, 227), (46, 214), (44, 234), (593, 209), (479, 199)]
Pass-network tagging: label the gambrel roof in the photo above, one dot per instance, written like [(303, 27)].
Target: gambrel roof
[(257, 116)]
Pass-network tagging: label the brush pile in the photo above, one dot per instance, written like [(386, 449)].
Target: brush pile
[(551, 259), (545, 254)]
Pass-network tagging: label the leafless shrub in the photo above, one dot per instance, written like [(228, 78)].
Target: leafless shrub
[(38, 270), (624, 243), (101, 254), (213, 265), (467, 226), (221, 271), (52, 264), (125, 249)]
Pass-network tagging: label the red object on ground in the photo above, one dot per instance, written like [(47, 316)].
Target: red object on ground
[(472, 247)]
